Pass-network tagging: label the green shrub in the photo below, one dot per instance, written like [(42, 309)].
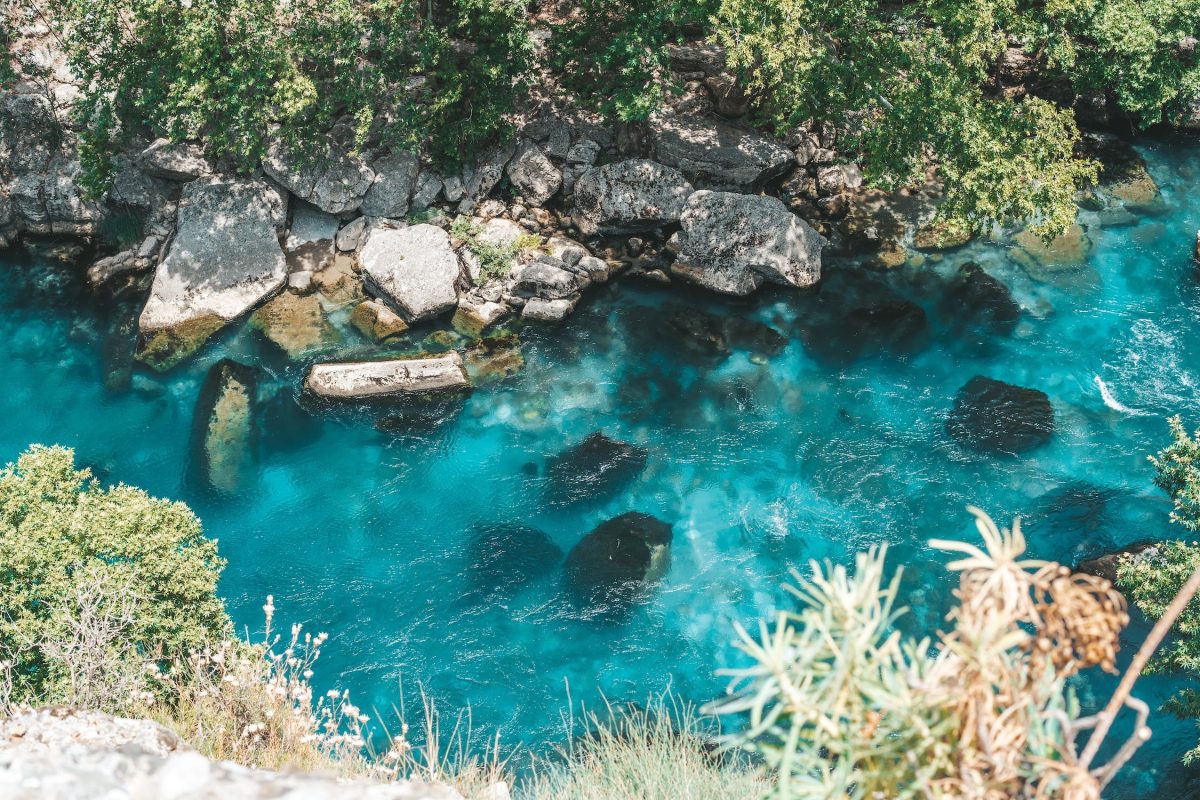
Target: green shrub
[(128, 578), (1153, 578), (495, 261)]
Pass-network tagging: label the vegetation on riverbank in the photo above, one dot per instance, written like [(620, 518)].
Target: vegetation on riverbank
[(109, 603), (907, 86)]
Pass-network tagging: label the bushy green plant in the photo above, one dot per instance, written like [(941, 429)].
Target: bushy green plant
[(1153, 578), (613, 53), (133, 573), (495, 260), (842, 705)]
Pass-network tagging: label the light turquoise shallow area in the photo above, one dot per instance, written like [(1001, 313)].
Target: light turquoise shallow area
[(758, 466)]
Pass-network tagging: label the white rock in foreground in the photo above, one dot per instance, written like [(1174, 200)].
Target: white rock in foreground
[(413, 268), (67, 754), (357, 379), (225, 259), (732, 243)]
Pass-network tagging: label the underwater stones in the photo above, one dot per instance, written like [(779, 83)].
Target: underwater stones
[(595, 468), (700, 333), (628, 197), (494, 358), (339, 283), (296, 324), (224, 426), (418, 416), (224, 260), (714, 153), (732, 243), (616, 561), (363, 379), (504, 557), (991, 416), (395, 178), (534, 174), (334, 181), (376, 321), (894, 322), (1056, 262), (413, 268), (983, 298), (748, 334)]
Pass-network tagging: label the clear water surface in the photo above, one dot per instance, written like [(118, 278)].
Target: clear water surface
[(759, 463)]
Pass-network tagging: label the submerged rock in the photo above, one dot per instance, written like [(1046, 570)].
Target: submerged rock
[(618, 560), (419, 416), (733, 243), (716, 154), (596, 468), (628, 197), (996, 417), (225, 259), (1059, 261), (296, 324), (981, 298), (494, 358), (504, 557), (363, 379), (413, 267), (224, 426)]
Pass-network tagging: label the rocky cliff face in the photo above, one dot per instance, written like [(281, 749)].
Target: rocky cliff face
[(67, 754)]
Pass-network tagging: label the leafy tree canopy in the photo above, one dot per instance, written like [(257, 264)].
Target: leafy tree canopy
[(59, 529)]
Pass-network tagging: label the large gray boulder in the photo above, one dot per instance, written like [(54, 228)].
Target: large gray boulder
[(733, 243), (534, 174), (176, 161), (364, 379), (395, 179), (629, 196), (413, 268), (480, 178), (334, 181), (225, 259), (714, 153)]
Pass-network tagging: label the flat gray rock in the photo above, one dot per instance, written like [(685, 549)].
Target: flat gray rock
[(716, 154), (732, 243), (395, 178), (629, 196), (224, 260), (176, 161), (334, 181), (413, 268), (350, 380)]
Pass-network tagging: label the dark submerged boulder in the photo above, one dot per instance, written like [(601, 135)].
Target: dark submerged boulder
[(610, 567), (596, 468), (225, 427), (417, 416), (980, 299), (504, 557), (991, 416)]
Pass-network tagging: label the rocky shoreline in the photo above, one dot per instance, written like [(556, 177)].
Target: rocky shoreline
[(377, 243)]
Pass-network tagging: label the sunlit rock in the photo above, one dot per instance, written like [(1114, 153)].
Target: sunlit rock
[(224, 260), (629, 196), (224, 426), (362, 379), (414, 268)]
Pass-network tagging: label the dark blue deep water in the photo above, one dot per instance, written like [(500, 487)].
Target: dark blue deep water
[(761, 460)]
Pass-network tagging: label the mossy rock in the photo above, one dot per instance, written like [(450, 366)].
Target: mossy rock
[(164, 348), (1060, 261), (224, 427), (942, 235), (295, 324), (493, 359), (376, 321)]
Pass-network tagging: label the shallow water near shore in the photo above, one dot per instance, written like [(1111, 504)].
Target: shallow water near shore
[(761, 459)]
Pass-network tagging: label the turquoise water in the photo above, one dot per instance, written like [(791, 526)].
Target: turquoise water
[(760, 460)]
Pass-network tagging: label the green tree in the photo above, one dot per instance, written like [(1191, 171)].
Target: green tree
[(77, 558), (1152, 578)]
